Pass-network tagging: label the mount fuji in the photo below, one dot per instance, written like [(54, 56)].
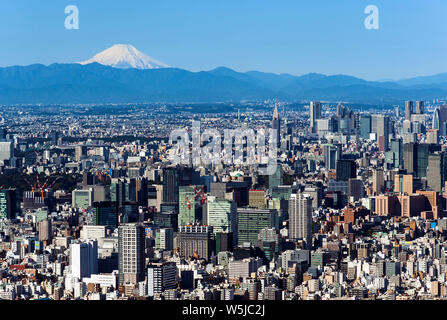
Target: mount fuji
[(125, 56)]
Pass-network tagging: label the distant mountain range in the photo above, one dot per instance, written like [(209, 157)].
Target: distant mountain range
[(133, 77)]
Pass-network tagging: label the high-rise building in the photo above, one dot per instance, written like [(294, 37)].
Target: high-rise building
[(161, 276), (408, 110), (397, 152), (300, 218), (403, 183), (442, 119), (84, 259), (105, 214), (190, 206), (332, 153), (164, 239), (433, 136), (383, 132), (131, 248), (80, 152), (436, 171), (6, 151), (276, 124), (315, 113), (45, 230), (365, 126), (378, 181), (222, 216), (251, 221), (419, 107), (276, 179), (346, 169), (423, 151), (410, 158), (175, 177), (8, 204), (195, 241)]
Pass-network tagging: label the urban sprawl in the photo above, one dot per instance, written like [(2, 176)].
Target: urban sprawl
[(92, 206)]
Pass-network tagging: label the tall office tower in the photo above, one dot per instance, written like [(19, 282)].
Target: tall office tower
[(54, 138), (84, 259), (300, 218), (8, 204), (175, 177), (423, 151), (436, 171), (117, 191), (346, 169), (164, 239), (131, 248), (419, 107), (102, 152), (403, 183), (332, 153), (251, 221), (397, 153), (105, 214), (161, 276), (378, 182), (276, 124), (443, 119), (356, 189), (141, 191), (383, 126), (437, 120), (222, 216), (45, 230), (408, 110), (410, 158), (433, 136), (6, 151), (276, 179), (195, 242), (315, 113), (171, 185), (80, 152), (3, 134), (190, 206), (365, 126)]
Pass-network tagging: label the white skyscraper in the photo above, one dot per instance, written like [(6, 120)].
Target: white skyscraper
[(84, 259), (6, 151), (300, 217), (131, 245)]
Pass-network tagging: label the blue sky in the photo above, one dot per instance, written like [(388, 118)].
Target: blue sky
[(282, 36)]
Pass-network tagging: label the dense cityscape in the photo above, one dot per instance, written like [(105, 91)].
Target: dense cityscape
[(92, 206)]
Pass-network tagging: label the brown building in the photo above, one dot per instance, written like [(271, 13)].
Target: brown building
[(387, 205), (412, 206), (403, 183), (256, 199)]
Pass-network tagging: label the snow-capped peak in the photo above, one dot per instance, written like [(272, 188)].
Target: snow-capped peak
[(125, 56)]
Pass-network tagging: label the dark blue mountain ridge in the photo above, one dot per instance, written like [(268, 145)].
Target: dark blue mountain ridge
[(96, 83)]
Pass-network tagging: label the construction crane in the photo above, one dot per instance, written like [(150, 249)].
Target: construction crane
[(39, 187), (199, 193)]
